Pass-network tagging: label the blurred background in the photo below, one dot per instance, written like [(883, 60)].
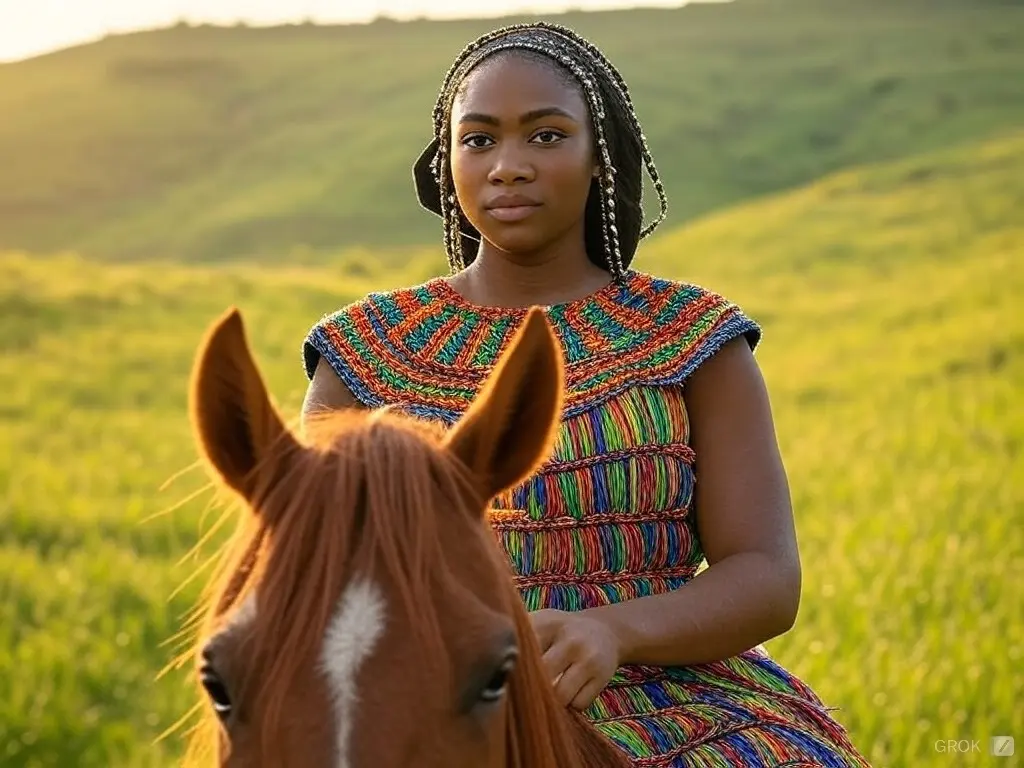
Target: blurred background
[(850, 172)]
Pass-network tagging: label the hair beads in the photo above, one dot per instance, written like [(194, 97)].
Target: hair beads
[(587, 65)]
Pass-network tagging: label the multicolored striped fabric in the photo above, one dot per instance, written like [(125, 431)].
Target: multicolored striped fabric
[(608, 517)]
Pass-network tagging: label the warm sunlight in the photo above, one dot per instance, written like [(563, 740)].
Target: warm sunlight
[(28, 29), (704, 429)]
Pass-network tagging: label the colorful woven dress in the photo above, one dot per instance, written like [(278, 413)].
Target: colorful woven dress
[(610, 516)]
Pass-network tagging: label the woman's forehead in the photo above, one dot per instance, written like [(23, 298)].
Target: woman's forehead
[(510, 81)]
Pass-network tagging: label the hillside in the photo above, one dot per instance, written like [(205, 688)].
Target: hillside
[(893, 348), (284, 144)]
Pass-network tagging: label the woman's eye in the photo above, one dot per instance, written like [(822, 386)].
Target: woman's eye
[(217, 691), (549, 137), (479, 139)]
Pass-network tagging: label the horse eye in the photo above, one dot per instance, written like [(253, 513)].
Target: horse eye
[(217, 691), (498, 682)]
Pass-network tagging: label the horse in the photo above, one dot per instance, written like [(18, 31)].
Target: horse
[(363, 615)]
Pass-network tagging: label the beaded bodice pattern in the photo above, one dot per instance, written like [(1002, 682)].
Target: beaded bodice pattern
[(608, 517)]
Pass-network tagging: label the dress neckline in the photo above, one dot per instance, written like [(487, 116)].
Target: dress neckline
[(440, 288)]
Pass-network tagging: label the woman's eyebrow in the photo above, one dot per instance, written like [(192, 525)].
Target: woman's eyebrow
[(528, 117)]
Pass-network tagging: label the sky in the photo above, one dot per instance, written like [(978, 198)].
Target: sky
[(32, 27)]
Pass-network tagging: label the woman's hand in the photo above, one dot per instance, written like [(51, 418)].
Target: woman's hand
[(581, 654)]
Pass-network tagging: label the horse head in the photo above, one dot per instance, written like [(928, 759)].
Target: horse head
[(363, 615)]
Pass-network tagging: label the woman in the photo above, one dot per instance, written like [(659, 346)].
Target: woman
[(667, 456)]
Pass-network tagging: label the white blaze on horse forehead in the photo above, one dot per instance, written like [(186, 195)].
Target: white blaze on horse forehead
[(355, 628)]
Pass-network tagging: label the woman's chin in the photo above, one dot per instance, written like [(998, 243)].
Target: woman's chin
[(521, 243)]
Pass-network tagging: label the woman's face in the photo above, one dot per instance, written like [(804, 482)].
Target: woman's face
[(522, 154)]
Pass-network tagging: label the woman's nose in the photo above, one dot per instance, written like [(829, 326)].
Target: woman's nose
[(510, 166)]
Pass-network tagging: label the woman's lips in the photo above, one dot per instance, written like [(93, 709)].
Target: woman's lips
[(512, 212)]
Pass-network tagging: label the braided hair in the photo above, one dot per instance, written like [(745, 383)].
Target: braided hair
[(614, 210)]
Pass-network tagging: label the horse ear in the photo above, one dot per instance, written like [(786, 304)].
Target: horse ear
[(235, 425), (510, 428)]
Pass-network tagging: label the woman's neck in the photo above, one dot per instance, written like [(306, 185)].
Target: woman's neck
[(496, 279)]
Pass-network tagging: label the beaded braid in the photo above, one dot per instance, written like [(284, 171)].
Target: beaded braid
[(576, 55), (620, 82)]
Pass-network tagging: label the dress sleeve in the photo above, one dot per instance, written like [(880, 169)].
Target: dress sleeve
[(339, 339), (708, 323), (690, 325), (318, 344)]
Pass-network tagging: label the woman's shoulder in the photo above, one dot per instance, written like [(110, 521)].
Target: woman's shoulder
[(661, 284), (365, 326), (678, 311)]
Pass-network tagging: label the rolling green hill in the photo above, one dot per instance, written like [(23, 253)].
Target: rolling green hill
[(894, 349), (289, 143)]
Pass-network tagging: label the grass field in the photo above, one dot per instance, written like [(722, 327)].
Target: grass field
[(894, 350), (288, 143)]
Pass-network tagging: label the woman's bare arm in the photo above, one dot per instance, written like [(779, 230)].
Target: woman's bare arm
[(750, 592), (326, 392)]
